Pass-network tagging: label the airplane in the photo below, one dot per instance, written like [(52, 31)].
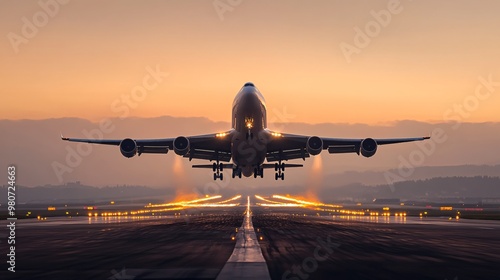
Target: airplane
[(248, 144)]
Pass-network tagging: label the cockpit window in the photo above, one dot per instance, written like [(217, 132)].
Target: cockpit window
[(249, 85)]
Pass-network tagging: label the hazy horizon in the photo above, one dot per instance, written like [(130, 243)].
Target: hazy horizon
[(158, 69), (49, 160)]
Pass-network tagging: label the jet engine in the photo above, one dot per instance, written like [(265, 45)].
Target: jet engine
[(181, 145), (368, 147), (314, 145), (128, 147)]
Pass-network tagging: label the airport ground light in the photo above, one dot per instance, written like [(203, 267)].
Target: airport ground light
[(188, 208)]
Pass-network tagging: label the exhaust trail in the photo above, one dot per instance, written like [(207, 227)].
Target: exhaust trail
[(315, 178), (182, 182)]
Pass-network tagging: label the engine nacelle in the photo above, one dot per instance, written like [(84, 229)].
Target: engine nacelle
[(368, 147), (128, 147), (181, 145), (314, 145)]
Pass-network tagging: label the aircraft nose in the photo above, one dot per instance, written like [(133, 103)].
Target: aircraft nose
[(249, 84), (250, 96)]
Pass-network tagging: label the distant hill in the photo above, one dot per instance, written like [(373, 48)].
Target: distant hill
[(419, 173), (433, 189), (75, 192), (35, 147)]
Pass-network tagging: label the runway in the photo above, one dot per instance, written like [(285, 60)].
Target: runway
[(353, 248), (296, 243), (185, 247)]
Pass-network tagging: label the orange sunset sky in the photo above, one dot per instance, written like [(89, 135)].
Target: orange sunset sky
[(425, 61)]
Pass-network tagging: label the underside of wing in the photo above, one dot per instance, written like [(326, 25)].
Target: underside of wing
[(210, 147), (286, 147), (216, 146), (291, 146)]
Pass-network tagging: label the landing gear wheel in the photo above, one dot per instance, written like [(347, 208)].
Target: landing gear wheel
[(236, 172), (280, 168), (276, 167), (217, 168)]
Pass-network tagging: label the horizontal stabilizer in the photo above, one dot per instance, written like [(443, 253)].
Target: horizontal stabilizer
[(272, 165), (211, 166), (265, 166)]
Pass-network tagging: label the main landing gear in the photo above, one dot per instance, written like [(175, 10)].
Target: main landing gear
[(280, 171), (217, 168), (258, 171), (237, 172)]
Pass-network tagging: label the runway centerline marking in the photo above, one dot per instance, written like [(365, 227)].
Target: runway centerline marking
[(246, 261)]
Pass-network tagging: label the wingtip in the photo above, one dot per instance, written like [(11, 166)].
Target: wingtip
[(427, 137), (64, 138)]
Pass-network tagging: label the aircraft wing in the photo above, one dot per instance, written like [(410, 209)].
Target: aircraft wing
[(291, 146), (209, 146)]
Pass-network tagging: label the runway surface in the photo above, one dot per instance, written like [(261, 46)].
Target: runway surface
[(295, 243), (195, 247), (312, 247)]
